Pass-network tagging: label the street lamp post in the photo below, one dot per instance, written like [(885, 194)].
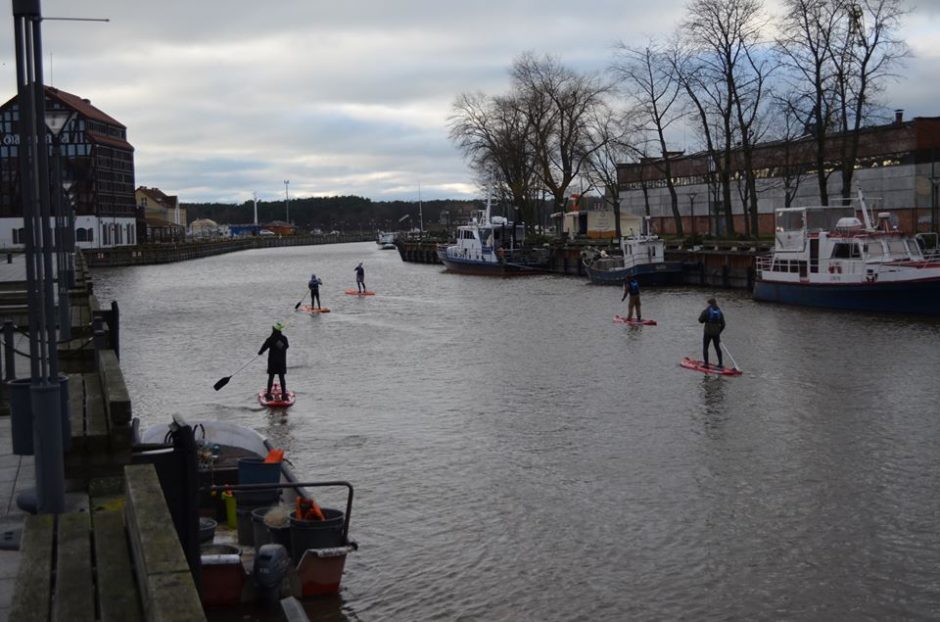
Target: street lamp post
[(56, 120), (287, 200), (692, 210)]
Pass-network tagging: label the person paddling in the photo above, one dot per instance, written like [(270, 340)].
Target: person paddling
[(714, 321), (631, 287), (276, 345), (314, 284), (361, 278)]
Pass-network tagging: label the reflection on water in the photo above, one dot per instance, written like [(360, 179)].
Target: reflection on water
[(517, 455)]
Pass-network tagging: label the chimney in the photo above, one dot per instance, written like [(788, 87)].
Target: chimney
[(899, 116)]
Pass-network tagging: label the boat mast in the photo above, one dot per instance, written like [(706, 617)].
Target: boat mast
[(864, 207), (420, 213)]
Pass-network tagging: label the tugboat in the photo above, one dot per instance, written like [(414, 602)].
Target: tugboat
[(827, 257), (641, 256), (492, 246)]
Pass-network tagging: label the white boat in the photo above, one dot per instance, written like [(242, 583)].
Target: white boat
[(492, 245), (641, 256), (838, 257), (386, 240)]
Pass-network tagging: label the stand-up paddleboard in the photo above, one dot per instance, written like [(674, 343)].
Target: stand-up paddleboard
[(619, 319), (309, 309), (353, 292), (709, 369), (278, 401)]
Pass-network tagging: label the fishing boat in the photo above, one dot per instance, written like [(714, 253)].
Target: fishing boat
[(826, 256), (492, 245), (252, 545), (641, 256), (386, 240)]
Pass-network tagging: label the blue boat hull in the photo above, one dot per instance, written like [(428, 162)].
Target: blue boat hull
[(646, 274), (920, 297)]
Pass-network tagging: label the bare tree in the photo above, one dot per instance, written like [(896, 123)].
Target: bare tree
[(651, 87), (493, 133), (725, 78), (865, 55), (840, 54), (612, 132), (558, 103)]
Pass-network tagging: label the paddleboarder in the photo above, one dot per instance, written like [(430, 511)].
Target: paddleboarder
[(276, 345), (361, 278), (714, 321), (314, 284), (631, 287)]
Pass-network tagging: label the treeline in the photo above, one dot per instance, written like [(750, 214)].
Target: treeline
[(340, 213)]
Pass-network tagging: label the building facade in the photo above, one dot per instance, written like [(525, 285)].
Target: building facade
[(897, 168), (97, 173), (159, 217)]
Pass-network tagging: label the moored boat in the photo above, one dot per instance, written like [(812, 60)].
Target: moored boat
[(386, 240), (826, 256), (254, 546), (641, 256), (492, 246)]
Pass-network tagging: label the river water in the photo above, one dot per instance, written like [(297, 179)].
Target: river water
[(518, 456)]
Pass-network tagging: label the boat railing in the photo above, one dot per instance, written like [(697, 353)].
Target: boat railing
[(299, 489)]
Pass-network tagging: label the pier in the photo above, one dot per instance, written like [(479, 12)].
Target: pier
[(111, 554), (729, 264)]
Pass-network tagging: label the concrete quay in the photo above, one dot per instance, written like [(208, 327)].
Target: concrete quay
[(109, 555)]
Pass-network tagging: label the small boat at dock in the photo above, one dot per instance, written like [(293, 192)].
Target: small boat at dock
[(492, 246), (254, 547), (386, 240), (839, 257), (641, 256)]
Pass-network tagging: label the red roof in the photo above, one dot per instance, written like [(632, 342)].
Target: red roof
[(82, 106)]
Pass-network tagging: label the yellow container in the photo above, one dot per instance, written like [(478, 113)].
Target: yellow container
[(231, 518)]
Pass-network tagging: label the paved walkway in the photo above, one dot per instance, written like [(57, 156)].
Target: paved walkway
[(17, 473)]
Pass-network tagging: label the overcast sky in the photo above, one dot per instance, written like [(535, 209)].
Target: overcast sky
[(223, 99)]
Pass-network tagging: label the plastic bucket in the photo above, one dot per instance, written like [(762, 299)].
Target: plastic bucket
[(259, 529), (315, 534), (21, 415), (257, 471)]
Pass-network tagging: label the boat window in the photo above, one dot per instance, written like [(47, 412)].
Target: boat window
[(897, 248), (845, 250), (914, 249), (825, 218), (789, 221), (874, 250)]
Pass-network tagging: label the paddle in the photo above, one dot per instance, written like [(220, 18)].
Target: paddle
[(224, 381), (297, 306), (728, 352)]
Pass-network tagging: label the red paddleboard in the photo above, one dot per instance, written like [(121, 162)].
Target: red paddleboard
[(619, 319), (709, 369), (278, 401), (353, 292), (309, 309)]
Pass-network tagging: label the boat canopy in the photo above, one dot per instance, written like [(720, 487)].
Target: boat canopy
[(823, 218)]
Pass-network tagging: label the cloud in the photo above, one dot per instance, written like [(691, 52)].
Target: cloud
[(223, 99)]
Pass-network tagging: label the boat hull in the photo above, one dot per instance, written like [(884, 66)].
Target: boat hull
[(490, 268), (647, 274), (919, 297)]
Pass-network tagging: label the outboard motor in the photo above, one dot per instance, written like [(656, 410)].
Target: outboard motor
[(272, 564)]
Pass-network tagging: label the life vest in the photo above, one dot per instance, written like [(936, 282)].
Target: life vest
[(714, 314), (275, 455), (634, 287), (307, 509)]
